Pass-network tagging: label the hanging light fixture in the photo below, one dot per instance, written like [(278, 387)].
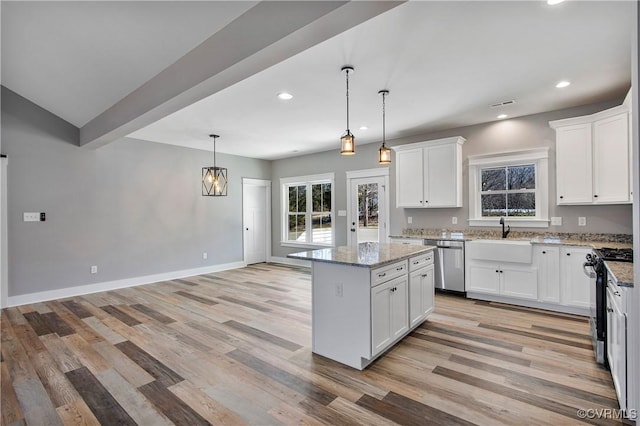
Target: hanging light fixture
[(348, 141), (214, 179), (384, 153)]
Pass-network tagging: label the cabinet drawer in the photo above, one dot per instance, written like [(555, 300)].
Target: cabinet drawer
[(388, 272), (421, 261)]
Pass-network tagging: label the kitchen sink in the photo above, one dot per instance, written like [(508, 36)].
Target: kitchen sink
[(518, 251)]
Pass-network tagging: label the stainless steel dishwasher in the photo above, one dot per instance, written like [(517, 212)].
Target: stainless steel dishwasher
[(449, 265)]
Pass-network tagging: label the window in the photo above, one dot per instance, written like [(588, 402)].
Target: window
[(508, 191), (308, 210), (513, 185)]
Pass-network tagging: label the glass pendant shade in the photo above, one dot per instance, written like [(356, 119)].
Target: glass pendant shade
[(214, 179), (347, 141), (384, 155), (348, 144)]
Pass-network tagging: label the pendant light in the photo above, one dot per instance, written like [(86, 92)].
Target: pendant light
[(348, 141), (214, 179), (384, 153)]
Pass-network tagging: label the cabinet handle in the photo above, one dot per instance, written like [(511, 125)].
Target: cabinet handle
[(544, 252), (382, 275), (416, 262), (595, 196), (617, 293), (568, 254), (497, 271), (501, 271), (609, 310), (561, 197), (399, 268), (423, 275), (426, 201)]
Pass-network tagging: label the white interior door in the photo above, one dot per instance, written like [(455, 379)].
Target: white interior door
[(367, 214), (256, 197)]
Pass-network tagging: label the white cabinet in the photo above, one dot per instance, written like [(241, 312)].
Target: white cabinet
[(547, 260), (408, 241), (421, 295), (617, 340), (429, 174), (611, 159), (389, 313), (574, 170), (592, 158), (506, 279), (574, 284)]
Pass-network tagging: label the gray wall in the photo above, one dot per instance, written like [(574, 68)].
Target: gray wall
[(518, 133), (132, 208)]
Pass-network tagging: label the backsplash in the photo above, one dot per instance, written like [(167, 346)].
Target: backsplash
[(496, 233)]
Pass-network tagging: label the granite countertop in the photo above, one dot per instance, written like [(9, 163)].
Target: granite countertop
[(622, 272), (367, 255)]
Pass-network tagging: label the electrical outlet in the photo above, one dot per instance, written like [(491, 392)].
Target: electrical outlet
[(454, 220), (409, 219), (94, 269), (339, 290), (582, 221), (205, 255), (31, 217), (556, 221)]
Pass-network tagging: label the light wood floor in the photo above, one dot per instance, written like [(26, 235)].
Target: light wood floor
[(234, 348)]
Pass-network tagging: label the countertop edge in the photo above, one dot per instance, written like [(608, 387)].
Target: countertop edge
[(418, 252)]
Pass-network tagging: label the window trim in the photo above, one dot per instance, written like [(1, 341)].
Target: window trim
[(538, 157), (284, 208)]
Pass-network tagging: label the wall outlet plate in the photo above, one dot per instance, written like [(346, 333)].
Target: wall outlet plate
[(31, 217), (94, 269), (342, 212), (409, 219), (205, 255), (556, 221), (454, 220), (582, 221)]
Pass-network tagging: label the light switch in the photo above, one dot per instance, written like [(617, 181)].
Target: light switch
[(342, 212), (582, 221), (556, 221)]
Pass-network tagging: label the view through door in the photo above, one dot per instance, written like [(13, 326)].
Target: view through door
[(367, 218)]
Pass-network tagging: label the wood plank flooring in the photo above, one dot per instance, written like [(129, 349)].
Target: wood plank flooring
[(234, 348)]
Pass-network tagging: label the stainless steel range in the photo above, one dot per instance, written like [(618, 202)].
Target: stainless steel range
[(594, 267)]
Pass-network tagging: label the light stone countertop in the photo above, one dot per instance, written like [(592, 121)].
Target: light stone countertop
[(622, 272), (367, 255)]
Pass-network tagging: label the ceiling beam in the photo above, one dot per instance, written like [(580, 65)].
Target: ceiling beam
[(265, 35)]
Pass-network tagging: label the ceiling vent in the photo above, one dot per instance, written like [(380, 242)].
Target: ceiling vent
[(503, 103)]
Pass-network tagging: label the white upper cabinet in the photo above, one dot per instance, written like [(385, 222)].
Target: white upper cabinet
[(429, 174), (592, 158), (574, 170)]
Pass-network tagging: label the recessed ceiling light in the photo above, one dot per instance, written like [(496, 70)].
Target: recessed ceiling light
[(285, 96), (562, 84), (501, 116), (554, 2), (364, 128)]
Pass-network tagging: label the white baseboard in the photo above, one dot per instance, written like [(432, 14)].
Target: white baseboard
[(289, 261), (43, 296), (530, 304)]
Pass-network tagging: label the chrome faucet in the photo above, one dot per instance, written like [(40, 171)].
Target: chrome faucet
[(504, 233)]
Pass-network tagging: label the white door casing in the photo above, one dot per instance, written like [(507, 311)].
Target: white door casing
[(256, 220), (379, 176)]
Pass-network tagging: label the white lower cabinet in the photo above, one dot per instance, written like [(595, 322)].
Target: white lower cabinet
[(617, 340), (547, 259), (574, 283), (389, 313), (507, 279), (421, 292)]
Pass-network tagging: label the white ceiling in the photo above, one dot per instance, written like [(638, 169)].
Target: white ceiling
[(443, 62)]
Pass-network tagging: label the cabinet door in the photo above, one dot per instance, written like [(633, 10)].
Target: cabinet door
[(519, 281), (575, 285), (441, 176), (400, 308), (421, 295), (409, 181), (547, 260), (380, 317), (574, 164), (617, 346), (611, 160), (483, 277)]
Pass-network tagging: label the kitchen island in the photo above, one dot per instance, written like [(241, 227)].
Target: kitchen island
[(367, 298)]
